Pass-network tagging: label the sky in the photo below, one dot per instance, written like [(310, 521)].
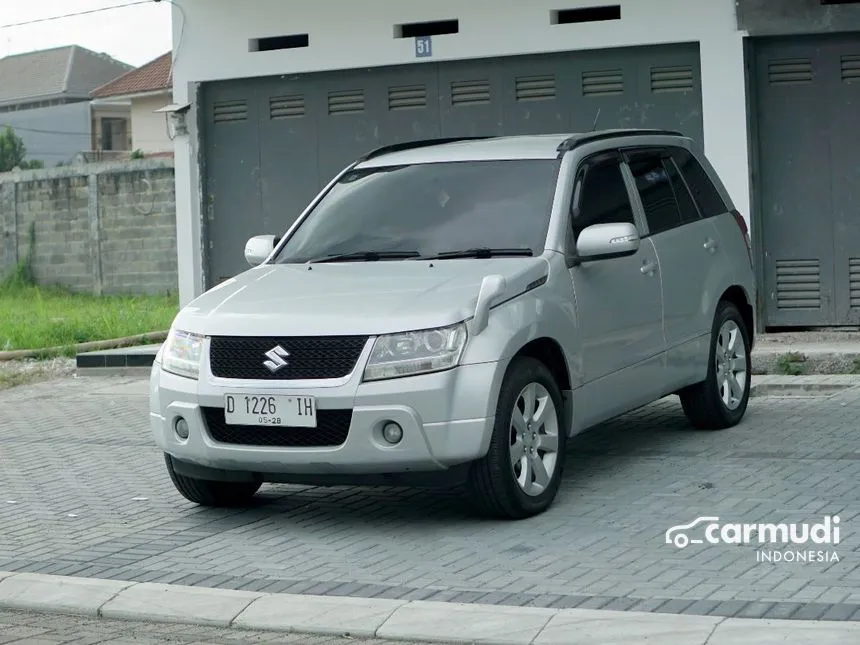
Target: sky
[(132, 34)]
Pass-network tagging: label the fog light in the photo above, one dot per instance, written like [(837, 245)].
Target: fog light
[(392, 432), (180, 426)]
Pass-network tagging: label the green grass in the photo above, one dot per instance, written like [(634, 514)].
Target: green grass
[(34, 317), (791, 364)]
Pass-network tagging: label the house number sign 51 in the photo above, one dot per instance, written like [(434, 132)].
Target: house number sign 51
[(423, 46)]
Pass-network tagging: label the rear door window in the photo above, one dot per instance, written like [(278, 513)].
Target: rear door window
[(688, 208), (704, 192), (656, 192)]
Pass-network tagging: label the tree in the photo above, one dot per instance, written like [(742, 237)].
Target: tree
[(13, 152)]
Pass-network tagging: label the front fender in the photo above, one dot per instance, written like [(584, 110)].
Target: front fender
[(544, 312)]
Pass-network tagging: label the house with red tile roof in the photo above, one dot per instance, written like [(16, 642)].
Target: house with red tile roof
[(142, 92)]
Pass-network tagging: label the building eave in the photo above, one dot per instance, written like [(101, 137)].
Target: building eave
[(104, 100)]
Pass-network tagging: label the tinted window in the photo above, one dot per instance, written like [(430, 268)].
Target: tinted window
[(655, 190), (431, 208), (603, 198), (689, 212), (706, 195)]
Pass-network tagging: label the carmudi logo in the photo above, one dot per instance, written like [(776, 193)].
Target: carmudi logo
[(709, 530)]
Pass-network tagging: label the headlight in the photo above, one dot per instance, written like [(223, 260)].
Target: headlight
[(416, 352), (181, 353)]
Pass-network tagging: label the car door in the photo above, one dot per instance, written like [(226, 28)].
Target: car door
[(618, 301), (689, 254)]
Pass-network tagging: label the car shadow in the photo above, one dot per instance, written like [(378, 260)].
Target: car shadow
[(657, 430)]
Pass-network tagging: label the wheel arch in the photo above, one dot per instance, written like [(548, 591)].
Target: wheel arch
[(550, 353), (737, 295)]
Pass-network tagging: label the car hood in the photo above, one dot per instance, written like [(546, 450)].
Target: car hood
[(367, 298)]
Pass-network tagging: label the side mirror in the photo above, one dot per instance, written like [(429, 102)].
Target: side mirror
[(604, 241), (258, 248)]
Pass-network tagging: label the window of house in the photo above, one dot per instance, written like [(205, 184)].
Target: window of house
[(114, 134)]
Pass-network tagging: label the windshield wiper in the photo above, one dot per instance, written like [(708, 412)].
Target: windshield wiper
[(481, 253), (367, 256)]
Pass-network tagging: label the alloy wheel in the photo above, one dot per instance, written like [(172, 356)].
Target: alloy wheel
[(534, 440), (732, 365)]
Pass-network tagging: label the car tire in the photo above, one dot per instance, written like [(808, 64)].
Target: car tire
[(729, 363), (494, 480), (212, 493)]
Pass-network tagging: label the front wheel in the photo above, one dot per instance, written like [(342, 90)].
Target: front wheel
[(520, 475), (212, 493), (720, 401)]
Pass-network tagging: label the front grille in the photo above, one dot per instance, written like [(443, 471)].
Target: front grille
[(332, 430), (310, 357)]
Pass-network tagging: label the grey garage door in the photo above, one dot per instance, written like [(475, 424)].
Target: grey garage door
[(808, 122), (271, 143)]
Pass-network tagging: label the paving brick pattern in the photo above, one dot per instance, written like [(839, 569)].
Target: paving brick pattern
[(83, 492), (23, 628)]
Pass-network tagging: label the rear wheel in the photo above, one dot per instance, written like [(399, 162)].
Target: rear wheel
[(212, 493), (520, 474), (720, 401)]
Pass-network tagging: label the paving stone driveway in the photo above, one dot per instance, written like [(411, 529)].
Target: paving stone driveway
[(83, 491)]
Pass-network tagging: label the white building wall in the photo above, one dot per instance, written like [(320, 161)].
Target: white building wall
[(211, 39), (149, 128)]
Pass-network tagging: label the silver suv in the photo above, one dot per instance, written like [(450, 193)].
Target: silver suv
[(455, 311)]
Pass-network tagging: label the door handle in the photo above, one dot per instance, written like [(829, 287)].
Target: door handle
[(710, 245), (648, 268)]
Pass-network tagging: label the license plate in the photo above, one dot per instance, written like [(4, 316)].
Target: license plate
[(270, 410)]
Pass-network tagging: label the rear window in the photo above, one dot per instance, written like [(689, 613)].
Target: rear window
[(704, 192), (431, 208)]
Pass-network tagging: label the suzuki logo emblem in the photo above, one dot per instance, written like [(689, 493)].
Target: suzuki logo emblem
[(276, 357)]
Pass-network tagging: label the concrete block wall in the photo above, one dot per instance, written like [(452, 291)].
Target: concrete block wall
[(101, 228), (58, 208), (138, 231)]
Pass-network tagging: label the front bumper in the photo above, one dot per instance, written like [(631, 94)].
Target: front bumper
[(447, 419)]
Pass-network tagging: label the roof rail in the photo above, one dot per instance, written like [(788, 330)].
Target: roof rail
[(581, 139), (410, 145)]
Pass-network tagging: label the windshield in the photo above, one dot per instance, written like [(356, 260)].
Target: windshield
[(427, 209)]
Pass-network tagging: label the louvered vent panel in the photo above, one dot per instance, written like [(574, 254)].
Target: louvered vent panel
[(346, 102), (407, 97), (854, 281), (535, 88), (851, 69), (286, 107), (603, 83), (227, 111), (671, 79), (470, 93), (798, 284), (796, 71)]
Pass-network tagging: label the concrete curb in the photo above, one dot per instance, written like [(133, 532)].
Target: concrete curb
[(769, 358), (803, 359), (89, 346), (435, 622), (819, 385)]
